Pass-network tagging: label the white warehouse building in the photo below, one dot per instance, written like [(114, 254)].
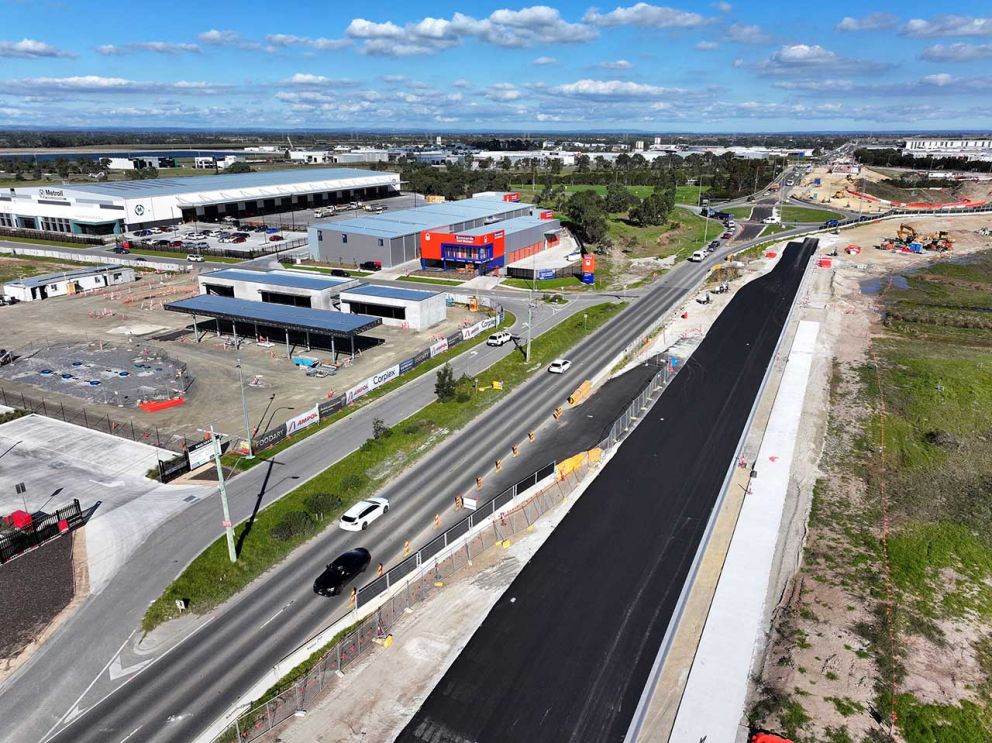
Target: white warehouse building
[(414, 309), (295, 288), (118, 206), (65, 283)]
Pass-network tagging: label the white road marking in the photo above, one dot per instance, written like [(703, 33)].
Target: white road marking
[(131, 733), (117, 670), (276, 614)]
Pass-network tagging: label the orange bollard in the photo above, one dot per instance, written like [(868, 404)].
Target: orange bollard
[(516, 450), (499, 464), (354, 596), (531, 436), (379, 570), (406, 548), (437, 521)]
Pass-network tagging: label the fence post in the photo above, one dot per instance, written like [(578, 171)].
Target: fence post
[(24, 405), (62, 408), (158, 439), (110, 426), (4, 393), (85, 420), (132, 430)]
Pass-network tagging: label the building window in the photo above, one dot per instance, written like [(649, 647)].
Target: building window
[(344, 238), (380, 242), (6, 220)]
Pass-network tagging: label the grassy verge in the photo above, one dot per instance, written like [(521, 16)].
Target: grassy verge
[(805, 214), (563, 282), (664, 240), (211, 578), (24, 266), (240, 464), (741, 212), (49, 243), (426, 280), (170, 254)]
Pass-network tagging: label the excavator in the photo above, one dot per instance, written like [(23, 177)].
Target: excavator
[(906, 233)]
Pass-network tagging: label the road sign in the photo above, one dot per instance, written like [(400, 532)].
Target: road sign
[(19, 488)]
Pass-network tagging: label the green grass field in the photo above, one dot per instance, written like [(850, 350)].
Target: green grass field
[(741, 212), (805, 214), (23, 266), (563, 282), (51, 243), (211, 578), (322, 269)]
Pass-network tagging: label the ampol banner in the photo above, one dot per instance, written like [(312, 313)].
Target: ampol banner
[(440, 347), (471, 331), (303, 420), (357, 391)]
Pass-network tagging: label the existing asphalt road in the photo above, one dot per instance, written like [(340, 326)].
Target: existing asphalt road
[(565, 652), (197, 682)]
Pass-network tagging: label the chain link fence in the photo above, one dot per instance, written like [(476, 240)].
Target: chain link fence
[(421, 573)]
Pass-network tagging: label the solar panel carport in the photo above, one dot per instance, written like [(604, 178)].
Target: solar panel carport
[(298, 320)]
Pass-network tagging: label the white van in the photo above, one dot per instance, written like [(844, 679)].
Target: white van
[(698, 257)]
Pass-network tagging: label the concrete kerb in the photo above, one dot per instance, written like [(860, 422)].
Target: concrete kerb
[(633, 731)]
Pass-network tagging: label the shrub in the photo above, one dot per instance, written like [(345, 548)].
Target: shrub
[(321, 504), (352, 481), (293, 524), (417, 426), (445, 385), (379, 429)]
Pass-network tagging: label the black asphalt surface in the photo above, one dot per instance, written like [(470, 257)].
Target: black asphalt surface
[(566, 651)]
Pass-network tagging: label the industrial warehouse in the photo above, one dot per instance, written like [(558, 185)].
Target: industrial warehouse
[(395, 237), (490, 248), (120, 206)]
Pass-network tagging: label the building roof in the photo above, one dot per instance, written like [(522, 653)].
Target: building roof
[(325, 322), (390, 292), (431, 216), (49, 278), (517, 224), (292, 280), (267, 183)]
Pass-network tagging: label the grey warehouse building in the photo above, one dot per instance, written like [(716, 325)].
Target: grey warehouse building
[(394, 237)]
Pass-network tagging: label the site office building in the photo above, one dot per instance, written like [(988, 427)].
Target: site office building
[(118, 206)]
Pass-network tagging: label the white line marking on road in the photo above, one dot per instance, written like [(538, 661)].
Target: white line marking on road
[(131, 733), (276, 614), (75, 705), (117, 670)]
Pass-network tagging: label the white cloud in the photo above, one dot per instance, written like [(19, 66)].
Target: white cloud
[(620, 64), (31, 49), (747, 34), (308, 79), (159, 47), (802, 58), (818, 86), (959, 52), (545, 61), (724, 7), (99, 84), (320, 44), (647, 15), (503, 92), (536, 25), (613, 89), (461, 83), (707, 46), (948, 25), (393, 78), (214, 37), (871, 22)]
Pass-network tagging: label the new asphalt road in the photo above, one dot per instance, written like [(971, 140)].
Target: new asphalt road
[(565, 652)]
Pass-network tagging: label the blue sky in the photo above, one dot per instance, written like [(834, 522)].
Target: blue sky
[(490, 65)]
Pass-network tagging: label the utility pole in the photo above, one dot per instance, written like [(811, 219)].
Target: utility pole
[(244, 408), (228, 528)]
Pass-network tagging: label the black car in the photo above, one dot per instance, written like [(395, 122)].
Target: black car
[(340, 272), (342, 571), (371, 266), (714, 244)]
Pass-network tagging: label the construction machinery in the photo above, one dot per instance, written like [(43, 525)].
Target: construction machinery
[(906, 233)]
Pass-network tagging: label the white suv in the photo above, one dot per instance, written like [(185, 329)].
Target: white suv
[(499, 339)]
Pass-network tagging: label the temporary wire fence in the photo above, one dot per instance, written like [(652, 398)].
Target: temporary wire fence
[(423, 572)]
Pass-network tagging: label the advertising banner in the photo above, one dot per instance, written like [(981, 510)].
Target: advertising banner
[(454, 339), (269, 438), (200, 454), (302, 420), (377, 380), (330, 407), (471, 331), (357, 391), (489, 322), (545, 273), (589, 263), (406, 365), (421, 357), (440, 347), (588, 278)]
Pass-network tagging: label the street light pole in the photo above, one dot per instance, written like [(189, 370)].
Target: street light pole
[(530, 305), (244, 408), (228, 528)]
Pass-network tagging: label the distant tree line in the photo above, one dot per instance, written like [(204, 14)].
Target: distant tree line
[(894, 158)]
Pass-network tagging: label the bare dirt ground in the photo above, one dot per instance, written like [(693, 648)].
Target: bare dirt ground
[(131, 317), (832, 183), (819, 672)]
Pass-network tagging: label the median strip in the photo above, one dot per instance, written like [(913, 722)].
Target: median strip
[(211, 578)]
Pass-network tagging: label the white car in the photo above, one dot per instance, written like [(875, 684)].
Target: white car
[(194, 236), (195, 258), (698, 257), (770, 220), (363, 513), (499, 339), (559, 366)]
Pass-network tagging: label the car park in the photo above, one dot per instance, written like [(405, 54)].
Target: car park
[(363, 513), (339, 573), (195, 258), (559, 366), (499, 339)]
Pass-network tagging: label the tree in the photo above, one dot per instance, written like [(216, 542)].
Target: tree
[(619, 199), (586, 210), (445, 386), (654, 209), (582, 164), (239, 167)]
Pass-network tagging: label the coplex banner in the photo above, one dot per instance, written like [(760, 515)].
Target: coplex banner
[(373, 382), (440, 347), (489, 322), (303, 420), (269, 438)]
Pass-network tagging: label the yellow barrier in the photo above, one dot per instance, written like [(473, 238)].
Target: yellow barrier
[(570, 465), (580, 394)]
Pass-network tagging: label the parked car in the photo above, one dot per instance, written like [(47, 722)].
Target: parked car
[(698, 257), (499, 339), (770, 220), (342, 571), (275, 238), (195, 258), (831, 223), (363, 513), (559, 366), (714, 244), (176, 244), (371, 266), (727, 235), (239, 239), (194, 236), (142, 233), (229, 220), (340, 272), (203, 246), (161, 243)]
